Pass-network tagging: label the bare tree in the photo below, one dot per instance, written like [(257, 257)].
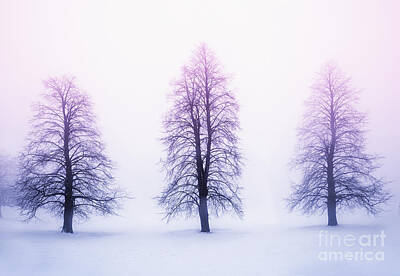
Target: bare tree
[(203, 160), (7, 179), (336, 170), (64, 168)]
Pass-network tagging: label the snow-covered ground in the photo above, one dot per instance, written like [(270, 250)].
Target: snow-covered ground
[(114, 246)]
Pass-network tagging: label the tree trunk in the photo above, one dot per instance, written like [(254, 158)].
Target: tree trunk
[(68, 215), (331, 200), (203, 212), (332, 221), (69, 201)]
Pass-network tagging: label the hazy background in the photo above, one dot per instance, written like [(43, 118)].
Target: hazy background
[(126, 53)]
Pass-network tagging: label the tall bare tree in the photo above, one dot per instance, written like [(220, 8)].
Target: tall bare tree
[(64, 168), (336, 170), (203, 161)]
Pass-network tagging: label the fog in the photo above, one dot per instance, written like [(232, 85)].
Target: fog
[(125, 55)]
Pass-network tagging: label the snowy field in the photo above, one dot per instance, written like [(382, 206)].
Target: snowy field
[(112, 246)]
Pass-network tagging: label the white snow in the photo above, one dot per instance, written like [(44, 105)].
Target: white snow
[(115, 246)]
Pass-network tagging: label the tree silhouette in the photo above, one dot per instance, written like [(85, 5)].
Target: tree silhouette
[(203, 158), (64, 168), (337, 173)]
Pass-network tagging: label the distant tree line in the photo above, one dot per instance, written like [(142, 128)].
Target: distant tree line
[(7, 180)]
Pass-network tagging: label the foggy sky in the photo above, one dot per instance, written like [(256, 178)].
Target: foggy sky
[(125, 55)]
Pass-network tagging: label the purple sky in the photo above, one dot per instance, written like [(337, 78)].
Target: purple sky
[(125, 55)]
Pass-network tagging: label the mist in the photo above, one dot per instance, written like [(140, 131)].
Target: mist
[(125, 54)]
